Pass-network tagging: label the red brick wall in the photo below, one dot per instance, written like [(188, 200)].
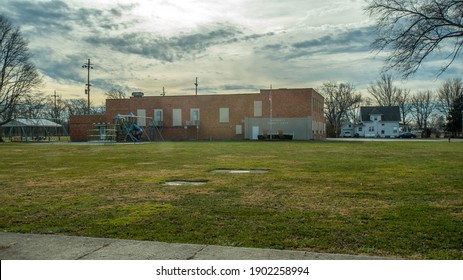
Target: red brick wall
[(295, 103), (117, 106), (240, 105), (81, 123), (286, 103)]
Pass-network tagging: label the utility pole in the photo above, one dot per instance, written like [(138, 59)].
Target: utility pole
[(196, 84), (55, 111), (55, 115), (89, 66), (163, 92)]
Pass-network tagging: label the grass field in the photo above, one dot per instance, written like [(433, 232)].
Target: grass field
[(397, 199)]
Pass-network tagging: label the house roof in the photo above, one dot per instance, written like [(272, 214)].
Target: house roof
[(375, 111), (31, 123), (389, 113)]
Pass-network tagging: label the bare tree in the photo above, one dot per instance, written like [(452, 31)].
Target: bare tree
[(413, 29), (403, 101), (18, 76), (32, 106), (80, 107), (384, 91), (437, 123), (340, 98), (98, 110), (448, 93), (76, 106), (423, 106), (116, 93), (56, 106)]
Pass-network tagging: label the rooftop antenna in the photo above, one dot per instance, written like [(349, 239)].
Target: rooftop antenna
[(196, 84), (163, 92)]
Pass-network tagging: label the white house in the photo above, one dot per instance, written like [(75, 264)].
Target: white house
[(379, 121)]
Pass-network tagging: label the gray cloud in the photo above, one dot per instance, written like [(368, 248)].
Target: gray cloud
[(257, 36), (169, 49), (53, 14), (350, 41), (240, 87), (92, 28), (162, 48), (57, 17), (229, 87), (62, 69)]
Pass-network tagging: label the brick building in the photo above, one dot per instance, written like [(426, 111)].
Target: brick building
[(297, 113)]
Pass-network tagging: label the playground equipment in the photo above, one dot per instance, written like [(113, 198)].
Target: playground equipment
[(125, 128), (102, 132), (128, 130)]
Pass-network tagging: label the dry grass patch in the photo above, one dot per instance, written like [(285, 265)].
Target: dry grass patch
[(380, 198)]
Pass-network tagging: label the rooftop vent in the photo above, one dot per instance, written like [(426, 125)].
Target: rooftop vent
[(137, 94)]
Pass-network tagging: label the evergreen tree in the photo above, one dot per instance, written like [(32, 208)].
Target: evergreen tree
[(454, 117)]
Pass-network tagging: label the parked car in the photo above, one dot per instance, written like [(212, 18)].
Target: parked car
[(346, 134), (407, 135)]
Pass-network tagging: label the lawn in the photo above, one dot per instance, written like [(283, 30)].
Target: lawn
[(395, 199)]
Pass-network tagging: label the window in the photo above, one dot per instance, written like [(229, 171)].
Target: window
[(239, 129), (395, 129), (257, 108), (360, 129), (141, 120), (371, 129), (224, 115), (177, 117), (158, 117), (194, 116)]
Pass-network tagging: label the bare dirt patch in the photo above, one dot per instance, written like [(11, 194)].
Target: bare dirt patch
[(240, 171), (184, 183)]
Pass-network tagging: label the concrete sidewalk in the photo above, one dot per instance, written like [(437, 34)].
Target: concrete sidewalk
[(17, 246)]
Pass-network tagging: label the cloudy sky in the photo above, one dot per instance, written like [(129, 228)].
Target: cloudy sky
[(231, 46)]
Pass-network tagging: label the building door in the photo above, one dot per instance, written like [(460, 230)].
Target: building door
[(255, 132)]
